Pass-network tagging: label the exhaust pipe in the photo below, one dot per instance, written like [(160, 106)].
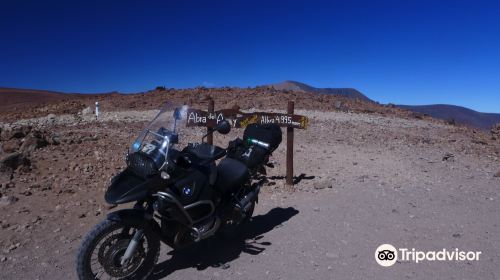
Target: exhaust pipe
[(245, 203)]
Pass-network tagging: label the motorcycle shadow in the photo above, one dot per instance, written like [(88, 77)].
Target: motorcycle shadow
[(217, 251)]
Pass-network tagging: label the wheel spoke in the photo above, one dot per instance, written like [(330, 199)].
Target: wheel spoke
[(106, 254)]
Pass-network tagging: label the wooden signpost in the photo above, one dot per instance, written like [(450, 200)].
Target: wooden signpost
[(239, 119)]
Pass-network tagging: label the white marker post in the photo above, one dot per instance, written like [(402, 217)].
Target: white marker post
[(96, 109)]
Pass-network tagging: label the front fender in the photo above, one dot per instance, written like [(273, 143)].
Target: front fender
[(135, 217)]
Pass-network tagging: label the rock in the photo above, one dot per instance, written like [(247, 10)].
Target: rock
[(90, 138), (4, 224), (14, 246), (495, 130), (87, 167), (26, 193), (3, 258), (338, 105), (32, 143), (87, 111), (449, 157), (224, 266), (497, 175), (18, 132), (11, 146), (8, 200), (13, 161), (36, 219), (322, 185), (55, 140), (51, 118), (362, 178)]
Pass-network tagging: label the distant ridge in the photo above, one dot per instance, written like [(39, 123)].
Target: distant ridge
[(301, 87), (451, 113), (17, 100), (457, 114)]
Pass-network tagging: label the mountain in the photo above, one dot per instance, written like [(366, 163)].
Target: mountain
[(301, 87), (460, 115), (17, 97)]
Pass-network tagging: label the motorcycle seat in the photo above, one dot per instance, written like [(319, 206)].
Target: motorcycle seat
[(231, 174)]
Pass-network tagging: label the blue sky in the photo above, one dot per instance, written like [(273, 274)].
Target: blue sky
[(400, 51)]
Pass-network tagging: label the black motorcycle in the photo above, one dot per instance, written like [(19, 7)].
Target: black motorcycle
[(181, 196)]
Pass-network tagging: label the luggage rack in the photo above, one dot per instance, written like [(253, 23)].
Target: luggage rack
[(240, 119)]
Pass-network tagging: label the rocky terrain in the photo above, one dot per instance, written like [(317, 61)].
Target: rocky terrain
[(366, 174)]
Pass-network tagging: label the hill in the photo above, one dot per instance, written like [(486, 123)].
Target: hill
[(301, 87), (19, 97), (457, 114)]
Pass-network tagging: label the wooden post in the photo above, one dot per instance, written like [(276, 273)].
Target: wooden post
[(289, 147), (210, 137)]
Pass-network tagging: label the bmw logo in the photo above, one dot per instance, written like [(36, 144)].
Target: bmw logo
[(187, 190)]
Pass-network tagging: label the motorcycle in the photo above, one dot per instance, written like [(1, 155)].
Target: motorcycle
[(181, 196)]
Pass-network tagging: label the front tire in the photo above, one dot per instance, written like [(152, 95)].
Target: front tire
[(101, 250)]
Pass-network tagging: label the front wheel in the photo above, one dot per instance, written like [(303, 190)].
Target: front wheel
[(100, 254)]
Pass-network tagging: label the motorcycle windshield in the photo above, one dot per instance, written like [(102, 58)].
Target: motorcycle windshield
[(167, 129)]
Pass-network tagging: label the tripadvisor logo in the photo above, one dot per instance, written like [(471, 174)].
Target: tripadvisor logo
[(387, 255)]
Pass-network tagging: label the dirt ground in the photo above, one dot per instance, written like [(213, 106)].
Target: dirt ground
[(366, 180)]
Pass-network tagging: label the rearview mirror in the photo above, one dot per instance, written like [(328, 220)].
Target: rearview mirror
[(223, 127)]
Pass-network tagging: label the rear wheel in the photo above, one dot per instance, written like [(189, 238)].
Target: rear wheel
[(100, 254)]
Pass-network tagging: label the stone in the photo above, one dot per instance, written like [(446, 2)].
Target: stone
[(11, 146), (13, 161), (224, 266), (497, 175), (338, 105), (55, 140), (495, 130), (322, 185), (32, 143), (26, 193), (18, 132), (14, 246), (8, 200), (87, 111), (448, 157)]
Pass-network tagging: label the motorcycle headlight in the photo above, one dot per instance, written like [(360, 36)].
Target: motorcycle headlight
[(142, 165)]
